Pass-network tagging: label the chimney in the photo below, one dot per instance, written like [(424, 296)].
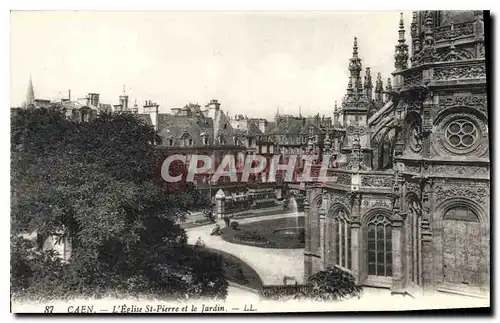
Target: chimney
[(135, 109), (93, 99), (124, 102), (214, 104), (263, 125), (152, 109)]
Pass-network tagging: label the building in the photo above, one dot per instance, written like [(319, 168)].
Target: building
[(410, 208), (193, 130)]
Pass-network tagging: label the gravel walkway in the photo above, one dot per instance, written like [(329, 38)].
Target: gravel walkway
[(271, 264)]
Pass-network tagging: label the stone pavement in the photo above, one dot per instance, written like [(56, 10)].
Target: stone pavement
[(271, 264)]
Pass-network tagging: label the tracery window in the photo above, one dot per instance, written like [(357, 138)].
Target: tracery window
[(379, 246), (342, 233), (461, 134)]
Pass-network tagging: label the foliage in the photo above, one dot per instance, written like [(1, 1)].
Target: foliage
[(251, 236), (332, 284), (199, 243), (234, 225), (99, 184), (209, 215), (227, 220)]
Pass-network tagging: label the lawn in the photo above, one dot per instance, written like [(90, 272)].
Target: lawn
[(262, 234)]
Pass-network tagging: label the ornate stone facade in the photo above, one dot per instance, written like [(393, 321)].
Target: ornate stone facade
[(413, 208)]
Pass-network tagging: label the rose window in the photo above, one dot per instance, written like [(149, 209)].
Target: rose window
[(461, 134)]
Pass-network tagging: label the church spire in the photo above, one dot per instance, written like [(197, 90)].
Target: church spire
[(428, 50), (379, 88), (368, 84), (30, 95), (401, 56), (388, 90), (354, 88)]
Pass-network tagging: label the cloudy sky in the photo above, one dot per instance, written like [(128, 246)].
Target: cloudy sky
[(252, 62)]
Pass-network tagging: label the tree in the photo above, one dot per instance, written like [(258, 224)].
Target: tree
[(98, 183)]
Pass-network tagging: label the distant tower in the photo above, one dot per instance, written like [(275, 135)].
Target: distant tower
[(135, 109), (124, 100), (30, 95)]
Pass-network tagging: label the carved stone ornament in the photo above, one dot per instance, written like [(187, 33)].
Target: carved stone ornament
[(460, 170), (459, 30), (377, 181), (479, 194), (343, 178), (462, 72), (415, 136), (352, 130), (412, 168), (382, 203), (462, 133), (413, 78), (478, 102), (340, 198), (413, 188)]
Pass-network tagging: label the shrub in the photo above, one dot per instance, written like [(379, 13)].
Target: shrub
[(209, 215), (234, 225), (252, 236), (332, 284), (199, 243)]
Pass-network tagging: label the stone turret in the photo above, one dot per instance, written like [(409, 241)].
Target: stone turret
[(368, 84), (379, 89)]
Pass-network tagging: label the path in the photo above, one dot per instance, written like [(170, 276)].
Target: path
[(270, 264)]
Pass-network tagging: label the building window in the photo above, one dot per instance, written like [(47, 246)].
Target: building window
[(170, 142), (342, 232), (379, 246), (190, 142), (461, 134), (205, 140)]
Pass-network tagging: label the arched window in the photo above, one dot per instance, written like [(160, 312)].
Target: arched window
[(379, 246), (342, 234)]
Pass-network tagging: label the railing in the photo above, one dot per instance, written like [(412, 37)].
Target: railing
[(377, 180), (445, 32)]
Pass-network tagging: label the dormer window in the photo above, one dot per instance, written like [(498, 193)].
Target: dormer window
[(204, 138), (170, 142), (186, 140)]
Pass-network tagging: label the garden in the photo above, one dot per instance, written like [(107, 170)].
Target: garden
[(283, 233)]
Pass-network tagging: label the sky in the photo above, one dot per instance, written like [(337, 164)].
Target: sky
[(252, 62)]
